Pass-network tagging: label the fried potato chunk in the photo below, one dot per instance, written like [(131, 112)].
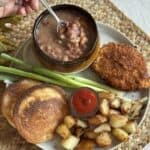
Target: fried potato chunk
[(63, 131), (90, 135), (104, 107), (115, 103), (97, 120), (120, 134), (126, 106), (70, 143), (103, 127), (106, 95), (114, 112), (85, 145), (103, 139), (69, 121), (81, 123), (130, 127), (117, 121)]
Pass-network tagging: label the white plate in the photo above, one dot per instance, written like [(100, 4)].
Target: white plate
[(107, 34)]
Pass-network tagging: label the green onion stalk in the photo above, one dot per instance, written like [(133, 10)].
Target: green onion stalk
[(18, 72), (70, 81)]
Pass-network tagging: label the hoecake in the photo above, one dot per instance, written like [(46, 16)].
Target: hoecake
[(12, 94), (39, 111)]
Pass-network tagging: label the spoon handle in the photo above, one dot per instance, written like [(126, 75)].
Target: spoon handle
[(45, 3)]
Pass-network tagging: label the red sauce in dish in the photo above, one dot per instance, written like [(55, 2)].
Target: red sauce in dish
[(84, 101)]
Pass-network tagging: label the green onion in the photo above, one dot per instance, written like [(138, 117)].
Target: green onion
[(34, 76), (65, 79), (70, 81), (8, 77), (15, 60), (90, 82), (42, 71)]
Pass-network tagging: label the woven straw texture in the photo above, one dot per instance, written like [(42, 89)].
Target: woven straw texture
[(106, 12)]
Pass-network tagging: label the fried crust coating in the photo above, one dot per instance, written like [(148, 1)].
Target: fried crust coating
[(122, 67)]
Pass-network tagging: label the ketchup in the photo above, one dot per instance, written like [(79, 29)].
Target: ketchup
[(84, 101)]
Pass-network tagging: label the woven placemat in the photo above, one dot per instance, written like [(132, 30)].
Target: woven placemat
[(106, 12)]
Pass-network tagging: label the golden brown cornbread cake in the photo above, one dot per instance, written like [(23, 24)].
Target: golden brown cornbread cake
[(12, 94), (122, 66), (38, 112)]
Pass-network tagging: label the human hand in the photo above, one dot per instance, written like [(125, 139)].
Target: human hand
[(28, 6), (22, 7)]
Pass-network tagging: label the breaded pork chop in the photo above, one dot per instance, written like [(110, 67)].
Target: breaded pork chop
[(122, 66)]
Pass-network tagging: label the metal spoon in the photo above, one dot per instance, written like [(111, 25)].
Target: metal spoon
[(61, 24)]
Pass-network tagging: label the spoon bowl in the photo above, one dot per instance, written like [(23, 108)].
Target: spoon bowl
[(61, 24)]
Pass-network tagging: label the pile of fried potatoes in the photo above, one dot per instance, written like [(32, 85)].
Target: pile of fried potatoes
[(116, 118)]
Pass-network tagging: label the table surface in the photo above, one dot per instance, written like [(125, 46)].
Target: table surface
[(137, 10), (102, 11)]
